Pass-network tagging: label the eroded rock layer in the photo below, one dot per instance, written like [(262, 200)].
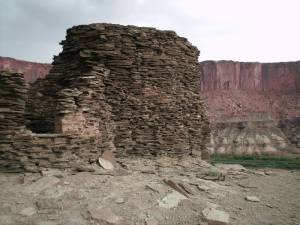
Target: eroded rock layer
[(267, 137), (250, 91), (126, 89), (251, 76)]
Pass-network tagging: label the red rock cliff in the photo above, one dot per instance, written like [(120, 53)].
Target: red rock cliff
[(31, 70), (253, 76), (251, 91)]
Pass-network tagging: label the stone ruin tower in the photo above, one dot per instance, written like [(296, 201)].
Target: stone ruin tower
[(131, 90)]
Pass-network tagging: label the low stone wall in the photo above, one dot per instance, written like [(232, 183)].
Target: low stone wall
[(34, 152), (20, 149)]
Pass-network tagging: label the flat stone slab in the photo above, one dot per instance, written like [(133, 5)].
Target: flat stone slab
[(28, 211), (103, 215), (252, 199), (216, 217), (171, 200), (233, 167), (105, 164), (42, 184)]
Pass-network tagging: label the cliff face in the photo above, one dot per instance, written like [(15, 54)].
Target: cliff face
[(261, 97), (237, 91), (31, 70), (229, 75)]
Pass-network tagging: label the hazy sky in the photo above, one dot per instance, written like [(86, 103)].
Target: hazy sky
[(242, 30)]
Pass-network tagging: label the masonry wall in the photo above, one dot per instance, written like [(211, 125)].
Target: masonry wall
[(140, 84), (22, 150), (130, 90)]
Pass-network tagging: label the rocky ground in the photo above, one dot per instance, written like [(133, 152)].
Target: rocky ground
[(162, 191)]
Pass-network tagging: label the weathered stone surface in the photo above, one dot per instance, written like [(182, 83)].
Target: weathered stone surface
[(171, 200), (28, 211), (233, 167), (255, 137), (103, 216), (249, 105), (105, 164), (216, 217), (251, 76), (42, 184), (252, 199)]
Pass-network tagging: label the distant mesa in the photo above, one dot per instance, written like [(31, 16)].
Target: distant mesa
[(31, 70), (239, 91)]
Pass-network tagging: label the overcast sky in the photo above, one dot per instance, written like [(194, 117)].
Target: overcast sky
[(241, 30)]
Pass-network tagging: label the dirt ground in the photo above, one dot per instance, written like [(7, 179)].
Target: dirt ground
[(142, 191)]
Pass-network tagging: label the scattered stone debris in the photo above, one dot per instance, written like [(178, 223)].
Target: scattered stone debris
[(252, 198)]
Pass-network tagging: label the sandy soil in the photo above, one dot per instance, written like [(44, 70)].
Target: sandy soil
[(143, 192)]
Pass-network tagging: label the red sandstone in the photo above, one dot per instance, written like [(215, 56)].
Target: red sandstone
[(31, 70), (237, 91)]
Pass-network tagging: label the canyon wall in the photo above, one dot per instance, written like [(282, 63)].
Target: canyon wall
[(236, 91), (250, 106), (31, 70), (248, 76)]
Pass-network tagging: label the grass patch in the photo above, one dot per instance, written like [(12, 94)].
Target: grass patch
[(260, 161)]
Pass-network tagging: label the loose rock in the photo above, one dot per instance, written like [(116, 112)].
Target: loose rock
[(28, 211), (105, 164), (103, 215), (216, 217), (252, 199), (171, 200)]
